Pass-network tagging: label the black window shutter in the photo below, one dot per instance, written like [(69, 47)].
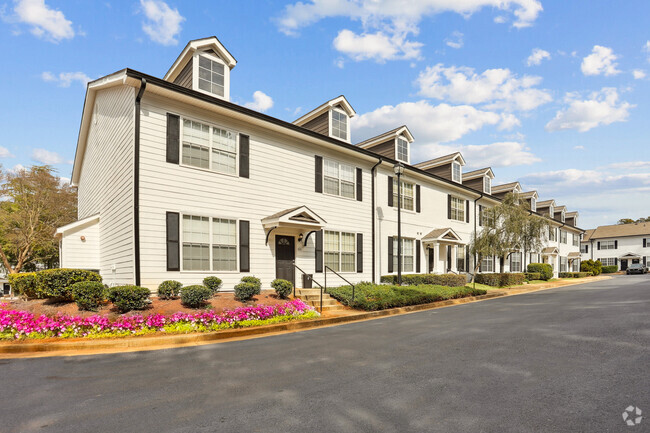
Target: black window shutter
[(318, 254), (644, 242), (598, 245), (466, 259), (430, 250), (645, 262), (244, 246), (390, 191), (494, 263), (417, 199), (466, 211), (390, 254), (417, 256), (616, 260), (173, 244), (173, 138), (359, 184), (448, 206), (586, 249), (359, 252), (319, 173), (244, 149), (448, 258), (480, 215), (615, 245)]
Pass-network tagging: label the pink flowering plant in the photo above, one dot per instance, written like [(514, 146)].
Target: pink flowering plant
[(16, 324)]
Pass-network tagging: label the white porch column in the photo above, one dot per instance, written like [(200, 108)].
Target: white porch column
[(454, 258)]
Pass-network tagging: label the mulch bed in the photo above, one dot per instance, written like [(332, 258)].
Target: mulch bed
[(221, 302)]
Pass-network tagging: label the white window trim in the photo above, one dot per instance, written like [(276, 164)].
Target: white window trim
[(490, 261), (609, 243), (464, 209), (562, 217), (533, 204), (340, 251), (354, 170), (195, 75), (347, 124), (551, 211), (487, 179), (211, 217), (414, 210), (211, 125), (413, 251), (408, 150), (460, 171)]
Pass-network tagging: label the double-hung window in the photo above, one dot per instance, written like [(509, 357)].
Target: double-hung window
[(211, 76), (607, 245), (534, 258), (608, 261), (575, 265), (407, 254), (402, 150), (407, 191), (209, 244), (339, 124), (457, 209), (533, 204), (338, 179), (563, 236), (551, 233), (576, 239), (487, 185), (563, 264), (456, 172), (487, 264), (209, 147), (340, 251), (515, 262), (460, 259), (583, 249)]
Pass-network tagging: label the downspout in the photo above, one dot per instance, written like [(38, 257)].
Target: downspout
[(475, 216), (136, 182), (372, 202)]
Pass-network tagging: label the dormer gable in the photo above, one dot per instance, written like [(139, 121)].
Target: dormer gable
[(331, 119), (394, 144), (480, 180), (572, 218), (204, 65), (560, 213), (531, 198), (449, 166), (506, 188), (546, 208)]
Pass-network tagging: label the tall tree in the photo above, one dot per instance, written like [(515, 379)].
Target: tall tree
[(34, 203), (625, 221)]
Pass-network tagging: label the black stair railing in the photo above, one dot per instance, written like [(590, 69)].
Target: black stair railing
[(313, 281), (327, 268)]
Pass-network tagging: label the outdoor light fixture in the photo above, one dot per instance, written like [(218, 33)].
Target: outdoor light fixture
[(399, 170), (300, 237)]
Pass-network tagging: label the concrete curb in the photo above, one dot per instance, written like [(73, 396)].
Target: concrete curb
[(29, 349)]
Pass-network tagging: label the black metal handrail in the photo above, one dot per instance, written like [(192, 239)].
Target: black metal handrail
[(341, 277), (313, 281)]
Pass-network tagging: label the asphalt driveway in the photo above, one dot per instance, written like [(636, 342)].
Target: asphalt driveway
[(567, 359)]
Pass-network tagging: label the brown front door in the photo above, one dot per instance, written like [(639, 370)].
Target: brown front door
[(285, 255)]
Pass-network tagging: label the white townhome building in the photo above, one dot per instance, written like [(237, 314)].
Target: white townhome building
[(618, 245), (177, 182)]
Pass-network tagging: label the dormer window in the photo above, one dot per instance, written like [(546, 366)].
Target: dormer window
[(562, 216), (402, 150), (211, 76), (533, 204), (550, 211), (487, 185), (339, 124), (455, 172)]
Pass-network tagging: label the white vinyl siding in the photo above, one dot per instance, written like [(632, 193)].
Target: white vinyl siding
[(607, 245), (408, 193), (457, 209), (402, 150), (338, 179), (408, 248), (209, 147), (339, 125), (209, 244), (211, 76), (340, 251)]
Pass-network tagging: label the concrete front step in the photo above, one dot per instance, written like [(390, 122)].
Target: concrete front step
[(312, 298), (316, 303)]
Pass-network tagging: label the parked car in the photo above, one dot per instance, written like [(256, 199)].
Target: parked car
[(636, 268)]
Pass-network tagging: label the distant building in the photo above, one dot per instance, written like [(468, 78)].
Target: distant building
[(618, 244)]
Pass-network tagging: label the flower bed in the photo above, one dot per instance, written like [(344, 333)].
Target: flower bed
[(15, 324)]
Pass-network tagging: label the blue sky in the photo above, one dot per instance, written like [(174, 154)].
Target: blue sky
[(553, 94)]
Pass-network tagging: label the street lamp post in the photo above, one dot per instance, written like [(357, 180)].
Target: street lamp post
[(399, 170)]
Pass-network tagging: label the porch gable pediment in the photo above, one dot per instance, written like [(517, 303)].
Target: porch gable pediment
[(300, 216)]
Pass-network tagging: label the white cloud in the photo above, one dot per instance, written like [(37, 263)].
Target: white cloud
[(602, 108), (455, 40), (5, 153), (646, 48), (17, 168), (595, 179), (377, 46), (579, 147), (602, 60), (429, 123), (387, 24), (261, 102), (45, 22), (537, 56), (164, 23), (499, 88), (630, 165), (508, 121), (48, 157), (638, 74), (500, 154), (65, 79)]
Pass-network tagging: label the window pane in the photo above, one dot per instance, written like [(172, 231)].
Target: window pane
[(211, 76), (331, 186), (402, 149), (196, 229), (196, 257), (224, 232), (224, 258), (331, 169), (347, 189)]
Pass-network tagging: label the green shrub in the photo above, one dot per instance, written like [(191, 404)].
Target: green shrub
[(449, 280), (593, 266), (253, 280), (127, 298), (56, 283), (169, 289), (504, 279), (565, 275), (531, 276), (282, 287), (24, 285), (245, 291), (88, 295), (195, 296), (544, 270), (608, 269), (372, 297), (212, 283)]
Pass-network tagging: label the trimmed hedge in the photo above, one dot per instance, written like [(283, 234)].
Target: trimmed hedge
[(282, 287), (253, 280), (127, 298), (169, 289), (195, 296), (245, 291), (56, 283), (530, 276), (501, 279), (544, 270), (212, 283), (24, 285), (448, 280), (609, 269), (88, 295), (575, 274), (371, 297), (593, 266)]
